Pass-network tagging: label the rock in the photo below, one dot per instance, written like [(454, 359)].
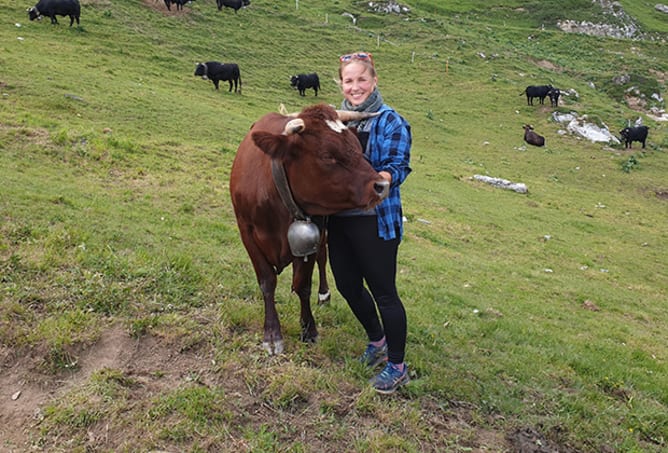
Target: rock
[(502, 183)]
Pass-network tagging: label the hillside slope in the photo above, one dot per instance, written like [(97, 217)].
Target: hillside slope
[(130, 317)]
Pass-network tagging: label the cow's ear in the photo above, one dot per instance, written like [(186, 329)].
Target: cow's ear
[(275, 146)]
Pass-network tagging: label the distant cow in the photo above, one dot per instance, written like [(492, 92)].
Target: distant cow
[(323, 171), (304, 81), (216, 71), (634, 134), (554, 94), (53, 8), (531, 137), (539, 92), (234, 4), (179, 4)]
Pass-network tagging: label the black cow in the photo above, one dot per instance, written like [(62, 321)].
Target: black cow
[(304, 81), (634, 134), (216, 71), (234, 4), (53, 8), (179, 4), (539, 92), (554, 94), (531, 137)]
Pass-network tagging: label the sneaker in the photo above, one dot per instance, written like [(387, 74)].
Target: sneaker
[(374, 355), (390, 379)]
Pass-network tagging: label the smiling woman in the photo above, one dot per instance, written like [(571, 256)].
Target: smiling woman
[(363, 243)]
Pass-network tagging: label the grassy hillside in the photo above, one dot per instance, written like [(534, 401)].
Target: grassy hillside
[(130, 318)]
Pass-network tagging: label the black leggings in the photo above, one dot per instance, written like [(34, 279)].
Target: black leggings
[(358, 255)]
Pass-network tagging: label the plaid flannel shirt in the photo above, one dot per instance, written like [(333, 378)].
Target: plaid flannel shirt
[(388, 149)]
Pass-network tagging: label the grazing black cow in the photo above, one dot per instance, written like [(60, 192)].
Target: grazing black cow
[(216, 71), (304, 81), (539, 92), (634, 134), (53, 8), (554, 94), (234, 4), (531, 137), (179, 4)]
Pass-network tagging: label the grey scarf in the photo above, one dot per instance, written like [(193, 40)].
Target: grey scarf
[(372, 104)]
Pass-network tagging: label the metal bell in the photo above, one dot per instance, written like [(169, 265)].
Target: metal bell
[(303, 237)]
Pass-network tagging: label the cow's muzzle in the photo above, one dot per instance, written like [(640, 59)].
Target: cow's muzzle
[(382, 189)]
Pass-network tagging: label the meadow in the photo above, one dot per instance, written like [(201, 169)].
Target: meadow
[(130, 316)]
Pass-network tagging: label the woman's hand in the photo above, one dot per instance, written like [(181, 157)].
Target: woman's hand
[(385, 175)]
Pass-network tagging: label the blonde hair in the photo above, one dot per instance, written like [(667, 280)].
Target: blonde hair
[(367, 62)]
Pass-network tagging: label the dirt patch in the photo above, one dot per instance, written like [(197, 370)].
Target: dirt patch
[(25, 390), (529, 440), (159, 5), (545, 64)]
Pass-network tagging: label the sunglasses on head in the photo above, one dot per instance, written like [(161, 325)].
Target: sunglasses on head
[(356, 56)]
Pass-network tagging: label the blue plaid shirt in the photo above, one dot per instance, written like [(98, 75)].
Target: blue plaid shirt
[(388, 149)]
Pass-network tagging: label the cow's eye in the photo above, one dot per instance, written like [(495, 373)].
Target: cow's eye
[(329, 159)]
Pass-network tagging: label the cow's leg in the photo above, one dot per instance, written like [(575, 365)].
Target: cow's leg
[(302, 275), (267, 279), (230, 82), (273, 340)]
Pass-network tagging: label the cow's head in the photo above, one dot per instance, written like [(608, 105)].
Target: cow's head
[(33, 13), (201, 70), (323, 159), (294, 80)]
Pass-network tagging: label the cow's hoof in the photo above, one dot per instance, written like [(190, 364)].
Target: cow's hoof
[(309, 338), (274, 348), (324, 298)]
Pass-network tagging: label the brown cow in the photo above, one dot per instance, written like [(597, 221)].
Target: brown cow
[(326, 173), (531, 137)]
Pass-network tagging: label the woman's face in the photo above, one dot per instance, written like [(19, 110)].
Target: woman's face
[(357, 83)]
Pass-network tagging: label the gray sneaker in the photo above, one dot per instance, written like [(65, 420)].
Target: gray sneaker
[(374, 355)]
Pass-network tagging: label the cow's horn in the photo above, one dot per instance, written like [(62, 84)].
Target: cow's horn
[(346, 115), (294, 126), (283, 111)]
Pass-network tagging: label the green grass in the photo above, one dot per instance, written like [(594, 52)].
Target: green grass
[(115, 213)]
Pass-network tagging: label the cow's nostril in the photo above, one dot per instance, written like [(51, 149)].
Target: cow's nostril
[(382, 188)]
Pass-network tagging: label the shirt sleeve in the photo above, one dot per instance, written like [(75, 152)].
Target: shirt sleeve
[(395, 144)]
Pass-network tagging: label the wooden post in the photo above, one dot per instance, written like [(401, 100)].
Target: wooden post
[(447, 63), (296, 4), (412, 57)]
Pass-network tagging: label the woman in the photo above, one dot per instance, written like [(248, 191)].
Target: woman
[(363, 244)]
